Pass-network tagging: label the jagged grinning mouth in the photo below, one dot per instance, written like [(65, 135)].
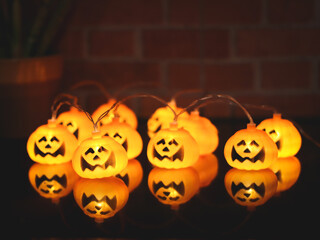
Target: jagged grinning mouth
[(259, 157), (178, 156), (110, 162), (60, 151)]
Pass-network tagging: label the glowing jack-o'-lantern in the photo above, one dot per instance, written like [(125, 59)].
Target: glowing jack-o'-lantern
[(287, 171), (202, 130), (283, 133), (124, 134), (125, 114), (99, 157), (173, 148), (101, 198), (250, 188), (250, 149), (173, 186), (207, 168), (77, 123), (132, 174), (52, 181), (51, 144), (162, 118)]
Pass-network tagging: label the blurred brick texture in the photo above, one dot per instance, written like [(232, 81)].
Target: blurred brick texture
[(258, 51)]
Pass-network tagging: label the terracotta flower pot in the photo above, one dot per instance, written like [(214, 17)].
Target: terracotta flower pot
[(27, 89)]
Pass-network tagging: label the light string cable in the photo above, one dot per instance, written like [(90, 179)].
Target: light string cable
[(275, 111), (306, 135), (176, 115), (61, 99), (233, 100), (186, 91), (100, 86), (70, 100), (213, 98), (262, 107), (117, 104), (132, 85)]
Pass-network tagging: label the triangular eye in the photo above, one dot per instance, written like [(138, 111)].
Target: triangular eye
[(43, 139), (54, 139), (107, 134), (174, 142), (254, 143), (272, 132), (101, 149), (161, 142), (69, 124), (242, 142), (117, 135), (90, 150)]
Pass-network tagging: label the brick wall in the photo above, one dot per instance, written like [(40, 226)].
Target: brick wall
[(259, 51)]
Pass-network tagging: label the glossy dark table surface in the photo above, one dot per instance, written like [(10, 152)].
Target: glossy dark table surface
[(211, 213)]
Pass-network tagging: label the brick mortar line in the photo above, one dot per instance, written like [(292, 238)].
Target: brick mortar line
[(271, 26), (225, 61)]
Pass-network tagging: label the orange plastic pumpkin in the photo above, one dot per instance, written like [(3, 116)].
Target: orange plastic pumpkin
[(250, 149), (99, 157), (77, 123), (132, 174), (52, 181), (124, 134), (283, 133), (250, 188), (287, 171), (162, 118), (207, 168), (51, 144), (125, 114), (101, 198), (173, 186), (202, 130), (173, 148)]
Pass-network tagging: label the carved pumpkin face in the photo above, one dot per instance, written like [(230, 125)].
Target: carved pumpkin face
[(287, 171), (173, 186), (173, 148), (101, 198), (132, 174), (52, 181), (126, 115), (77, 123), (51, 144), (207, 168), (250, 149), (99, 157), (202, 130), (125, 135), (283, 133), (162, 118), (250, 188)]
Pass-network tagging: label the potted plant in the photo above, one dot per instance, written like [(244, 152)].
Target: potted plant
[(30, 68)]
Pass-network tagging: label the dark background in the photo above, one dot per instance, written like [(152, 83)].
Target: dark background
[(258, 51)]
